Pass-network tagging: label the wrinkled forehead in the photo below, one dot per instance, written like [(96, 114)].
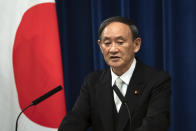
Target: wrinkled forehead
[(116, 29)]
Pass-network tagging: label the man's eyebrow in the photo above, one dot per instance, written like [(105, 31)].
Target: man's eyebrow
[(120, 38), (106, 38)]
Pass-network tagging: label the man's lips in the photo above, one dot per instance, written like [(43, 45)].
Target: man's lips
[(114, 57)]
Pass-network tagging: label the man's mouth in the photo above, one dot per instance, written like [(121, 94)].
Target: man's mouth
[(114, 57)]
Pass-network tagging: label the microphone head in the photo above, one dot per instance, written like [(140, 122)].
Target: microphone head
[(48, 94)]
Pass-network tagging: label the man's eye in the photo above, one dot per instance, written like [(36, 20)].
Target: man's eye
[(120, 42), (107, 43)]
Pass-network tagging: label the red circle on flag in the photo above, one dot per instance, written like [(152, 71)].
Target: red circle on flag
[(37, 64)]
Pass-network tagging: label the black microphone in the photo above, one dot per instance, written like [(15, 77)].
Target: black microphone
[(45, 96), (123, 100), (119, 94), (38, 100)]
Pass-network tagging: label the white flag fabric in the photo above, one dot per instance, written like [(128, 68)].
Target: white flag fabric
[(30, 65)]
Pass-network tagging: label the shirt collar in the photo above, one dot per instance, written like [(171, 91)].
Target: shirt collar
[(126, 76)]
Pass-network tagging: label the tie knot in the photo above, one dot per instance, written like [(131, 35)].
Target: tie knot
[(119, 82)]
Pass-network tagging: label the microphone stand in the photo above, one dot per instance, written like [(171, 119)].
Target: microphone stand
[(123, 100), (16, 127), (37, 101)]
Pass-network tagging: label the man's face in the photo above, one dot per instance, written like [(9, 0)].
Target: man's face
[(117, 46)]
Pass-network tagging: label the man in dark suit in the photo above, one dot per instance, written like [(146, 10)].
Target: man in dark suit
[(144, 91)]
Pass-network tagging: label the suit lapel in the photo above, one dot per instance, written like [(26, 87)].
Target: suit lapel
[(134, 91), (104, 98)]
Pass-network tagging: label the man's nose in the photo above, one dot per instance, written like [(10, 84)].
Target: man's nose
[(114, 48)]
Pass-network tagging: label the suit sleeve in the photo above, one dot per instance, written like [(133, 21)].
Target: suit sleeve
[(78, 119), (158, 112)]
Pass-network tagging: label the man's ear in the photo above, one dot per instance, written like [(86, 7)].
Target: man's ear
[(137, 44), (99, 43)]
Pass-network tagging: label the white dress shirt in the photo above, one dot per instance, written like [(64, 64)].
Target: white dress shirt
[(126, 77)]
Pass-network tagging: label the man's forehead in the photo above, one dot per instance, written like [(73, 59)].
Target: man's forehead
[(115, 28), (117, 24), (116, 38)]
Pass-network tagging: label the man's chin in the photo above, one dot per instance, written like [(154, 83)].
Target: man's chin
[(114, 65)]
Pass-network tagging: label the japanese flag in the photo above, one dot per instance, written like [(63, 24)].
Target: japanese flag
[(30, 65)]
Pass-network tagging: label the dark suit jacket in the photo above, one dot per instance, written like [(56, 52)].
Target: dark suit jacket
[(148, 97)]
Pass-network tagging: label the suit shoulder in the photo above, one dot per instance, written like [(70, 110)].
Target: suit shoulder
[(95, 76), (153, 73)]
